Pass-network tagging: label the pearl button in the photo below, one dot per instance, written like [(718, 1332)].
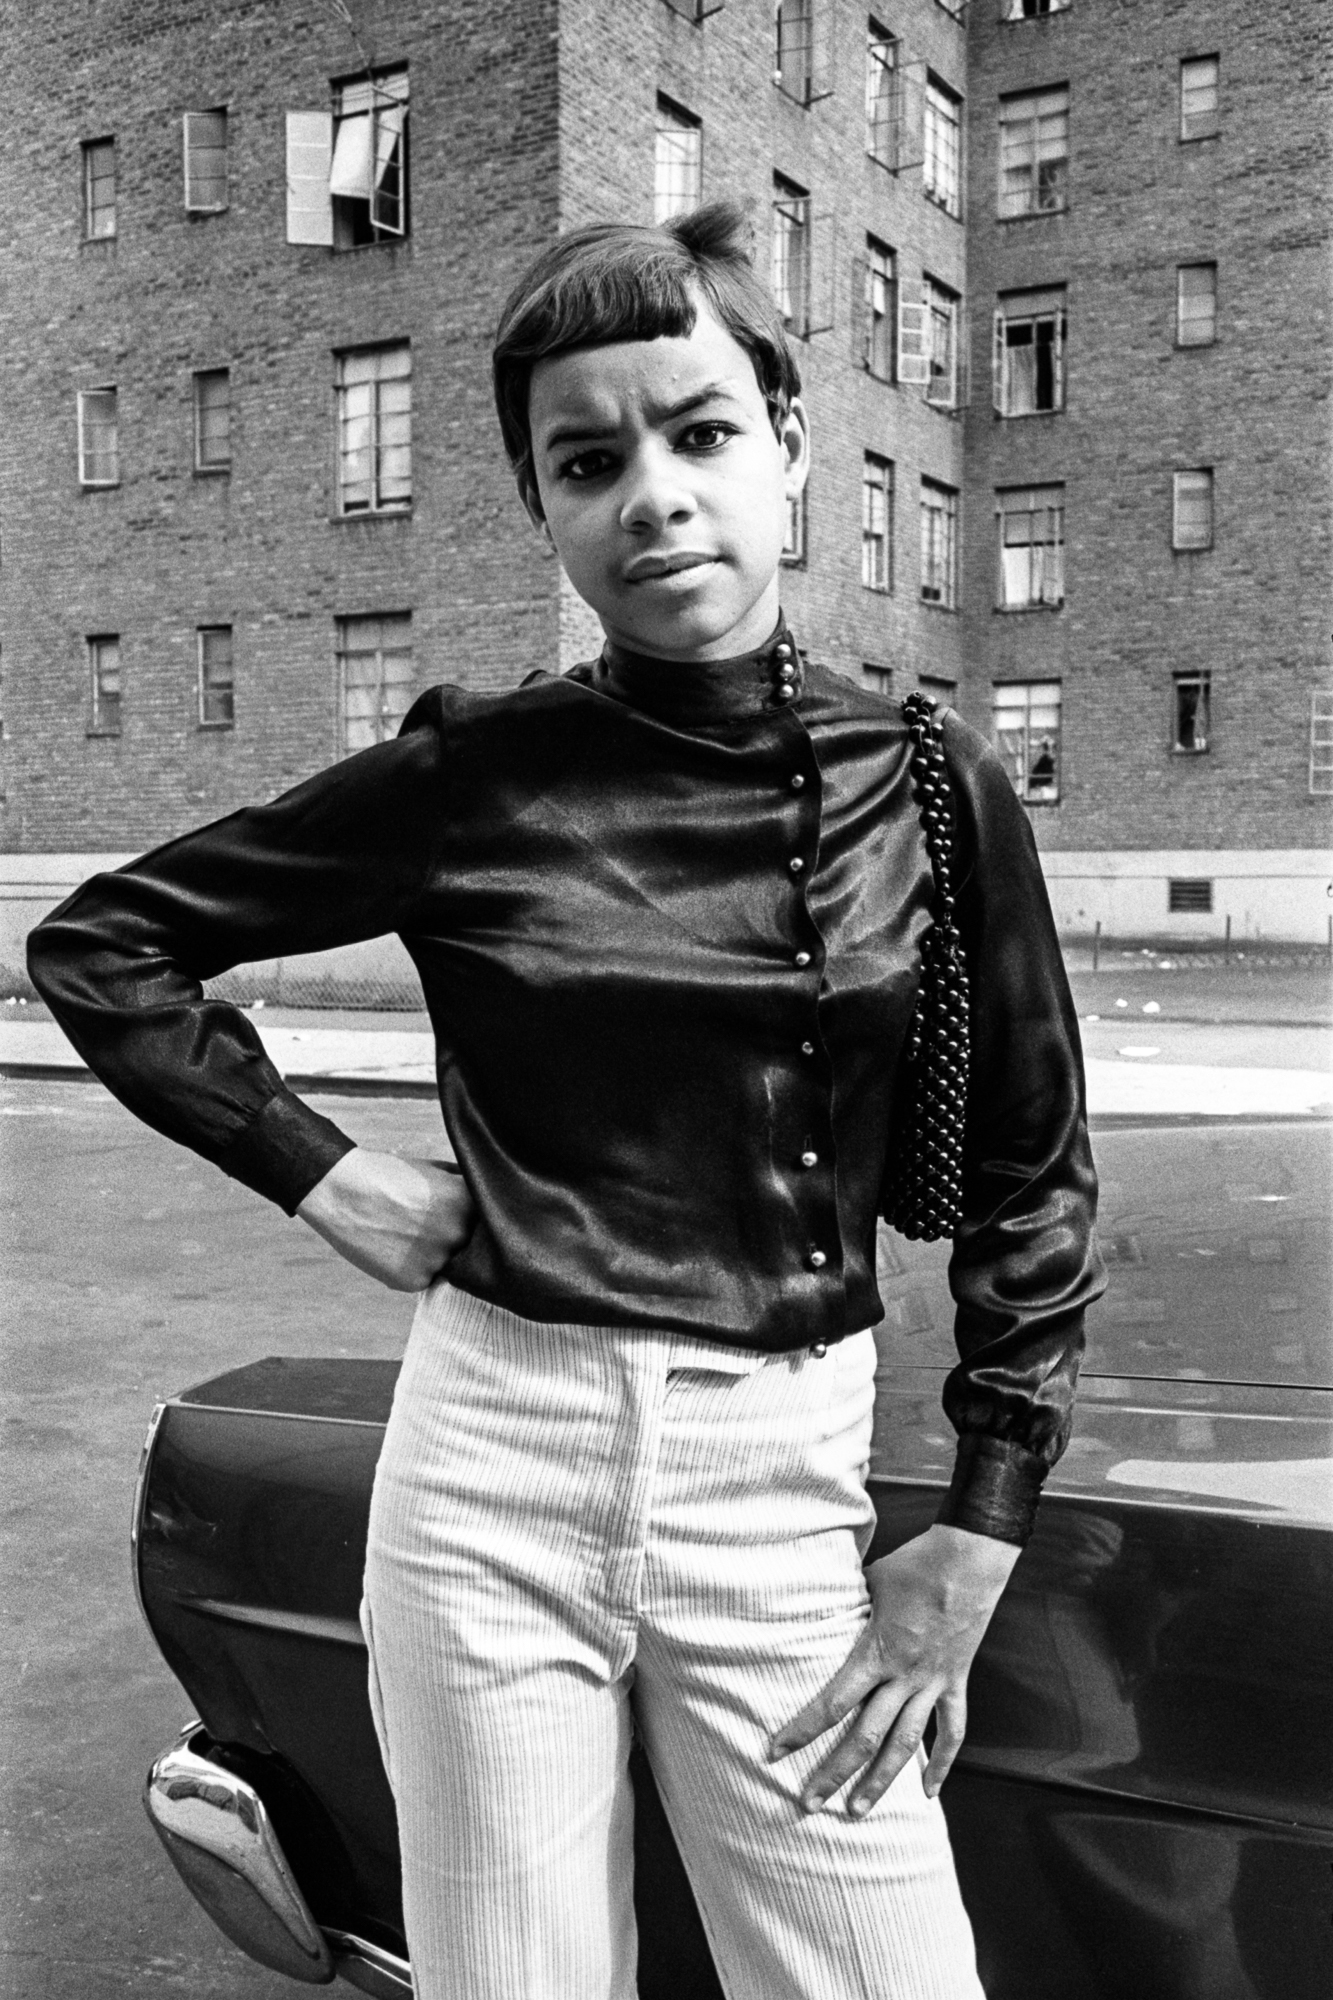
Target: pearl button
[(817, 1260), (796, 865), (798, 783), (784, 693), (787, 671), (782, 651), (809, 1159), (803, 959), (819, 1348), (807, 1048)]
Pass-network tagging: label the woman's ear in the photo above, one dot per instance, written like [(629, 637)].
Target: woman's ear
[(794, 438), (532, 507)]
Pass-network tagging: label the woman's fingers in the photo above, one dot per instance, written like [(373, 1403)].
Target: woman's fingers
[(856, 1748), (950, 1729), (899, 1747), (859, 1674)]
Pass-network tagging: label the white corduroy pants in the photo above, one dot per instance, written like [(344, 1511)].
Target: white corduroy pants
[(574, 1523)]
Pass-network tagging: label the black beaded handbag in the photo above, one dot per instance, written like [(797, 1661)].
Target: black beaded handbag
[(923, 1183)]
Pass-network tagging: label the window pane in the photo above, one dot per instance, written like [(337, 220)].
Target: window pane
[(216, 685), (375, 429), (377, 677), (99, 188), (1199, 98), (1032, 537), (104, 661), (939, 515), (1196, 304), (678, 183), (206, 159), (793, 55), (877, 523), (791, 255), (940, 173), (1026, 726), (1192, 722), (212, 418), (1193, 510), (99, 463), (1034, 152), (881, 96), (942, 345)]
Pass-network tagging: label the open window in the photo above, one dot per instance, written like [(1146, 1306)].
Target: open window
[(347, 177), (1191, 712), (1028, 353), (803, 49)]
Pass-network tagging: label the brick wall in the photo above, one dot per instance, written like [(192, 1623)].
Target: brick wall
[(1255, 608)]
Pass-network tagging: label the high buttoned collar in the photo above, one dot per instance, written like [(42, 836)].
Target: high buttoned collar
[(694, 694)]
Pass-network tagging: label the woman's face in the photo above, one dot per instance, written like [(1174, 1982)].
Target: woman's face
[(664, 489)]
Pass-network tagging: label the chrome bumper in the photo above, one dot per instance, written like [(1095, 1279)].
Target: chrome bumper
[(217, 1831)]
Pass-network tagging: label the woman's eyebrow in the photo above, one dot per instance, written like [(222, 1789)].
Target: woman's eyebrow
[(596, 431)]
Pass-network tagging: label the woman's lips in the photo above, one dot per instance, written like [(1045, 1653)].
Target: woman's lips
[(661, 569)]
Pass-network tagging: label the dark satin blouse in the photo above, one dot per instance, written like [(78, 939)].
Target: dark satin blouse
[(666, 920)]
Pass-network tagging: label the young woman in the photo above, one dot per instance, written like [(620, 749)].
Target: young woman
[(671, 913)]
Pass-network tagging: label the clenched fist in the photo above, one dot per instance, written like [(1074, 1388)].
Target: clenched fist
[(399, 1220)]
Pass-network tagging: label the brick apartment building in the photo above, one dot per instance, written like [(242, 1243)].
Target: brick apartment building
[(1058, 276)]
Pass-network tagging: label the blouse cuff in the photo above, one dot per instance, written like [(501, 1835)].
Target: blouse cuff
[(994, 1490), (285, 1151)]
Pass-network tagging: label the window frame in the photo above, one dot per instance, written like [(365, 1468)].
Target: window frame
[(1053, 689), (1051, 599), (883, 84), (1321, 743), (1003, 375), (384, 105), (1206, 124), (880, 268), (878, 678), (947, 513), (227, 687), (1015, 11), (665, 205), (193, 206), (791, 228), (1181, 542), (1007, 162), (793, 552), (943, 307), (1201, 680), (799, 77), (88, 484), (1210, 339), (88, 149), (376, 507), (877, 479), (343, 631), (210, 468), (105, 710), (939, 94)]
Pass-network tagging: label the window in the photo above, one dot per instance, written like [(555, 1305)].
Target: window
[(375, 678), (881, 95), (942, 172), (1321, 742), (1030, 10), (800, 52), (942, 345), (212, 420), (99, 189), (1189, 895), (791, 253), (1192, 510), (1026, 720), (881, 310), (793, 541), (347, 177), (1028, 353), (1199, 98), (695, 10), (217, 702), (1196, 305), (1191, 704), (877, 678), (375, 430), (1032, 547), (206, 161), (939, 544), (877, 523), (99, 460), (1034, 152), (678, 184), (104, 686)]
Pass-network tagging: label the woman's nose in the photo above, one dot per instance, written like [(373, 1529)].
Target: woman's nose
[(656, 492)]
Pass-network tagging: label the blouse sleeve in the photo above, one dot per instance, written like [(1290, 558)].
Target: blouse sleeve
[(1025, 1265), (121, 962)]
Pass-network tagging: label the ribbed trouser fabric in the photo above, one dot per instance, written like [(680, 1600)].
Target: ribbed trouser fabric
[(571, 1524)]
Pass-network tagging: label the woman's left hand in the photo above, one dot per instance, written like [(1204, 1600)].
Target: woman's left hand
[(931, 1602)]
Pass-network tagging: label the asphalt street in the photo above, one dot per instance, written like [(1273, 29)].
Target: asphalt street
[(131, 1270)]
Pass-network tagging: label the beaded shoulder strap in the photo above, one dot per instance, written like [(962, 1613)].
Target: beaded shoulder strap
[(924, 1188)]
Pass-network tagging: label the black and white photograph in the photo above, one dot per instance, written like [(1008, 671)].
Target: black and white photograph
[(666, 999)]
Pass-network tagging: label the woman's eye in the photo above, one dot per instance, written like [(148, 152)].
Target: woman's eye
[(585, 465), (707, 436)]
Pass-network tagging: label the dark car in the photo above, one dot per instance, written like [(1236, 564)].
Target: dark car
[(1144, 1804)]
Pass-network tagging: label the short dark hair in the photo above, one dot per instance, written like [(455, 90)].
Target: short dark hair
[(623, 281)]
